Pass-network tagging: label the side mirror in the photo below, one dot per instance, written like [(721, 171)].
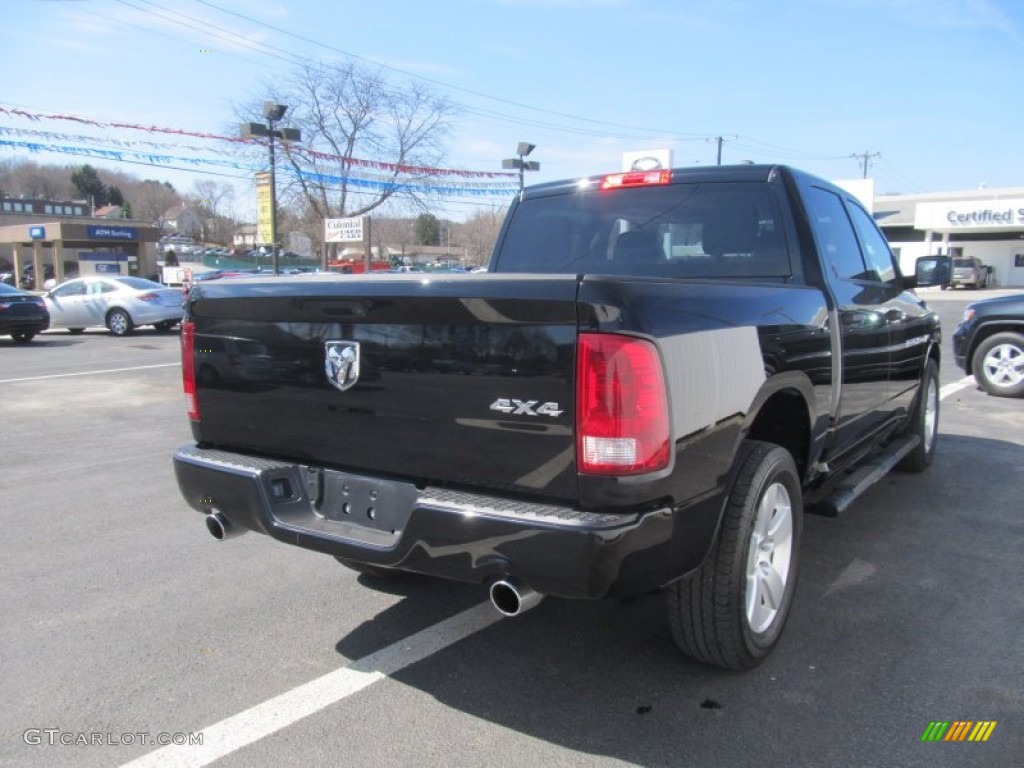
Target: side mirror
[(932, 270)]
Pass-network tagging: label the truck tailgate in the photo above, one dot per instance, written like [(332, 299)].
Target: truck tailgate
[(459, 379)]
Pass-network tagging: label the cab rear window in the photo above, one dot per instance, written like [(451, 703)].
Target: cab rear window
[(678, 230)]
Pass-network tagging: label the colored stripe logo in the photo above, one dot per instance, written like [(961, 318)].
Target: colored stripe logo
[(959, 730)]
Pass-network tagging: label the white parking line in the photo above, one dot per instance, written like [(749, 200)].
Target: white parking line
[(88, 373), (956, 386), (272, 715)]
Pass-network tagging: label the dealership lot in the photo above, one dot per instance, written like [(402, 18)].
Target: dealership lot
[(123, 617)]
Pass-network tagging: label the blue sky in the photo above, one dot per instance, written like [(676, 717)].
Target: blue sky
[(932, 86)]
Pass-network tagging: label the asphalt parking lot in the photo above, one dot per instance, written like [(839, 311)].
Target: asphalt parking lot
[(125, 623)]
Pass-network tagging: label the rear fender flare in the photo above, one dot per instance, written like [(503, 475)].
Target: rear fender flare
[(792, 383)]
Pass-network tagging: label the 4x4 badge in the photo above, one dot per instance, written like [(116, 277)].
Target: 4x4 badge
[(341, 363), (525, 407)]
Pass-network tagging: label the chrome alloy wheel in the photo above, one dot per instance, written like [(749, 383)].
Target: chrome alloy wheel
[(1004, 365), (769, 556), (118, 323)]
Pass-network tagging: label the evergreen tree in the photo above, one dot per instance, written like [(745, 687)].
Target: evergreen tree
[(428, 229), (87, 183)]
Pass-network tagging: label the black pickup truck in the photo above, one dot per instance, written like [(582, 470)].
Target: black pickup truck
[(657, 376)]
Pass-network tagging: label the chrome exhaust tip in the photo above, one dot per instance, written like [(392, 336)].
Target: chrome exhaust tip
[(511, 598), (221, 528)]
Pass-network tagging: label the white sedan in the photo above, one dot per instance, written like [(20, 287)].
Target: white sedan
[(119, 302)]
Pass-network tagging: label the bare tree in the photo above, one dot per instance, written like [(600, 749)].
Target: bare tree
[(30, 179), (348, 113), (212, 199), (211, 196), (392, 235), (151, 200), (479, 233)]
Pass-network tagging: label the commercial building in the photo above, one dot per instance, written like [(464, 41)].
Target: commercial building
[(60, 239), (987, 224)]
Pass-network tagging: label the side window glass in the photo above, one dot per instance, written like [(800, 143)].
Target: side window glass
[(70, 289), (834, 233), (876, 248)]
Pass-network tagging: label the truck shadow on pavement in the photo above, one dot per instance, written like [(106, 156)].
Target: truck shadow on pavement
[(908, 610)]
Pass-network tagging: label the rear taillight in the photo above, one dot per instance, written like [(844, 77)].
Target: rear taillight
[(622, 419), (148, 297), (188, 368)]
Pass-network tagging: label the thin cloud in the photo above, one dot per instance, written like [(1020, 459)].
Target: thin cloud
[(945, 14)]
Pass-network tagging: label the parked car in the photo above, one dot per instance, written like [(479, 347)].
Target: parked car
[(120, 302), (28, 281), (22, 315), (970, 272), (989, 344)]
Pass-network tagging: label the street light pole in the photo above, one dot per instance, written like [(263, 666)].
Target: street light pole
[(272, 112), (273, 196)]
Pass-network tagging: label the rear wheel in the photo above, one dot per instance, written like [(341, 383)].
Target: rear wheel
[(998, 364), (119, 322), (23, 337), (732, 611), (165, 326), (925, 422)]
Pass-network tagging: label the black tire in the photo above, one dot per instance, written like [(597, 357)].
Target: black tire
[(165, 326), (120, 323), (708, 612), (76, 331), (998, 364), (371, 571), (924, 422), (23, 337)]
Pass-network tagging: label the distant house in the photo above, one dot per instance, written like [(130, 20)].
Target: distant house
[(182, 220), (109, 212), (245, 237)]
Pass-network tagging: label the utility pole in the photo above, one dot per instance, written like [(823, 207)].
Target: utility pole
[(865, 157), (719, 140)]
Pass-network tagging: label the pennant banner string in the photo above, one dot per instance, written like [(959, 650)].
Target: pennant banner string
[(374, 164)]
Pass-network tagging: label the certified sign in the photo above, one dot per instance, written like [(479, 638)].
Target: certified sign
[(343, 230)]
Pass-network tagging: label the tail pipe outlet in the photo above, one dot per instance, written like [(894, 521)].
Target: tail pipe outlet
[(512, 598), (221, 528)]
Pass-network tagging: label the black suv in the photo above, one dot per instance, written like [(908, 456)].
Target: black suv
[(989, 343)]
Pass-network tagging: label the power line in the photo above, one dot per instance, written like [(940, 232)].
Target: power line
[(433, 81), (635, 132)]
